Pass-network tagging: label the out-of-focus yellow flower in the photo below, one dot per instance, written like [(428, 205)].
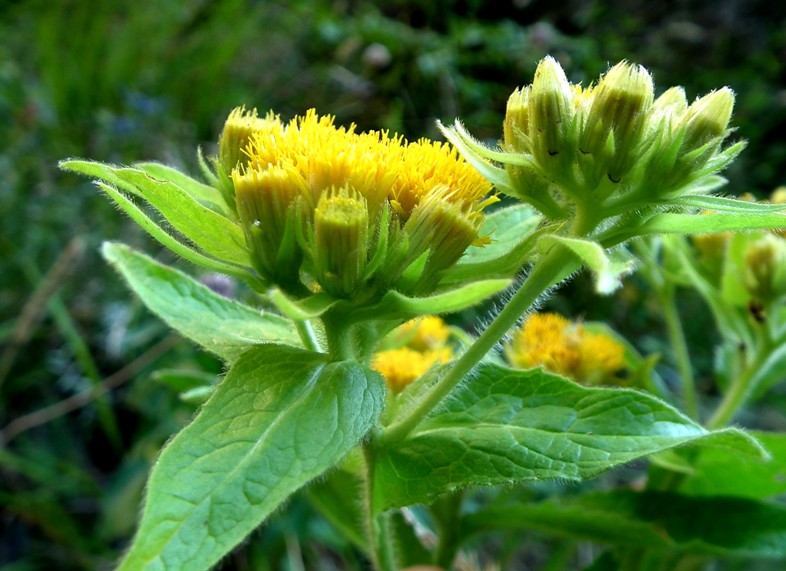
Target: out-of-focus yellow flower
[(765, 268), (419, 344), (400, 367), (563, 347), (425, 333)]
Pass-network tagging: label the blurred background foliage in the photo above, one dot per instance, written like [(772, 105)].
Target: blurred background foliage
[(122, 80)]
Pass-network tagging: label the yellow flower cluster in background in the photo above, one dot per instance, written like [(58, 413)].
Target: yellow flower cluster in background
[(560, 346), (425, 346)]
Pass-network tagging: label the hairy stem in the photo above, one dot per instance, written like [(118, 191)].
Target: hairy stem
[(549, 270), (307, 335), (380, 549), (740, 390)]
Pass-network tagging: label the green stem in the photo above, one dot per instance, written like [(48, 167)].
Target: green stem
[(378, 535), (585, 219), (339, 337), (549, 270), (680, 347), (307, 335), (739, 391), (447, 514)]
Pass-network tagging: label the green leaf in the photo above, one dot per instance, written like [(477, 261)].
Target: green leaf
[(672, 223), (718, 473), (280, 418), (507, 228), (396, 305), (182, 380), (203, 193), (479, 156), (213, 233), (655, 520), (220, 325), (723, 204), (608, 268), (167, 240), (301, 309), (506, 426)]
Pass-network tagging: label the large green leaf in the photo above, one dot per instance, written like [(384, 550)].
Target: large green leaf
[(506, 426), (711, 526), (213, 233), (280, 418), (717, 473), (220, 325)]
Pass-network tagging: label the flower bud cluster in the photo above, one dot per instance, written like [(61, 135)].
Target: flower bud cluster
[(324, 208), (600, 151)]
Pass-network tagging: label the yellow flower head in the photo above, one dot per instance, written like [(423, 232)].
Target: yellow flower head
[(425, 333), (560, 346), (401, 185), (400, 367), (427, 166)]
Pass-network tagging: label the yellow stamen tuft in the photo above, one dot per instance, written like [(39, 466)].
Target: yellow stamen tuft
[(428, 166)]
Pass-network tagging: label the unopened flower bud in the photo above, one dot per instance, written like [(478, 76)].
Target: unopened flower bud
[(516, 125), (238, 129), (550, 110), (778, 195), (619, 107), (265, 205), (672, 101), (707, 119), (765, 268), (441, 230), (712, 247), (340, 241)]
